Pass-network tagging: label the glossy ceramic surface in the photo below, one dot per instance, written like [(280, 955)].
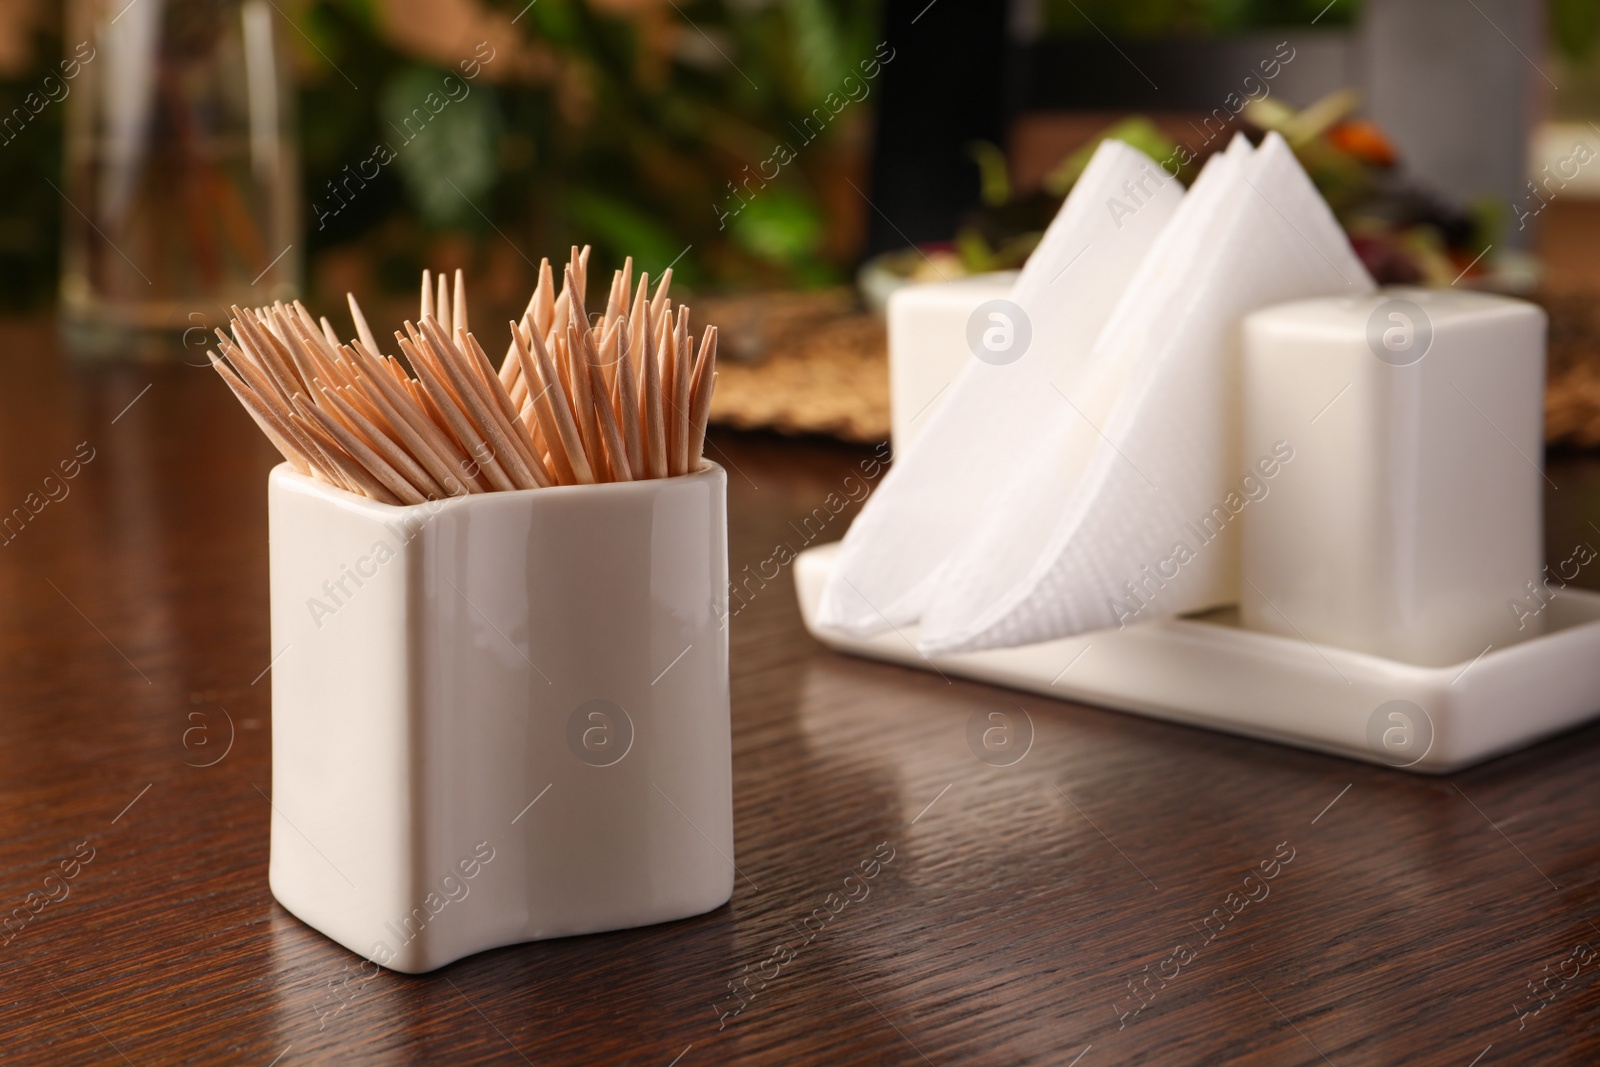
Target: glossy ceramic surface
[(1407, 523), (1208, 672), (928, 344), (499, 718)]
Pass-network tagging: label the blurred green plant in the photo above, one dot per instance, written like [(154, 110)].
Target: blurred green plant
[(684, 111), (632, 137), (1575, 27), (627, 131), (634, 130), (452, 162)]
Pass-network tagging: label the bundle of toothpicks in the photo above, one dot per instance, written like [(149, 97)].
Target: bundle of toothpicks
[(573, 402)]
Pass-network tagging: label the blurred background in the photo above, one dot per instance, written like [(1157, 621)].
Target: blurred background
[(792, 160)]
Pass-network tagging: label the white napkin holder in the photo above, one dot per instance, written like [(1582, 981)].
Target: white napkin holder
[(1389, 447)]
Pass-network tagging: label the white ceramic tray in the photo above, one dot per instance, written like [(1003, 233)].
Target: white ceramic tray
[(1208, 672)]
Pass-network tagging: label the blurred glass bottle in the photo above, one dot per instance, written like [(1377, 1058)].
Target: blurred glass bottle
[(180, 174)]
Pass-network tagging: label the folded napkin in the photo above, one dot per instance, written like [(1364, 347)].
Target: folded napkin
[(1124, 508), (942, 488)]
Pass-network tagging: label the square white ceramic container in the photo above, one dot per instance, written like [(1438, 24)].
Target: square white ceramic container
[(928, 344), (1407, 523), (499, 718)]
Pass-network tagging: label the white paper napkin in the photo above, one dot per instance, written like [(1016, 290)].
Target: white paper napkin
[(942, 488), (1013, 536), (1106, 522)]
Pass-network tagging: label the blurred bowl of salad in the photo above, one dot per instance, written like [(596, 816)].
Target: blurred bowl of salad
[(1404, 233)]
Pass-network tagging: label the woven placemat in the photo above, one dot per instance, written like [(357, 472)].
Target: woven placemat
[(817, 363), (801, 363), (1572, 394)]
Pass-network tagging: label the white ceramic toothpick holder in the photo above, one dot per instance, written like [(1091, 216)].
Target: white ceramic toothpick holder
[(499, 718)]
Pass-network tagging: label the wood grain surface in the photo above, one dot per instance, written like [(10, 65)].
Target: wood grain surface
[(1014, 915)]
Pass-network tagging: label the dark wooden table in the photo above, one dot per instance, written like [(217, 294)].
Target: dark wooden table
[(1404, 923)]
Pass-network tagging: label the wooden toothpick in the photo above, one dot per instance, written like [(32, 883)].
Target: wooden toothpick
[(572, 402)]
